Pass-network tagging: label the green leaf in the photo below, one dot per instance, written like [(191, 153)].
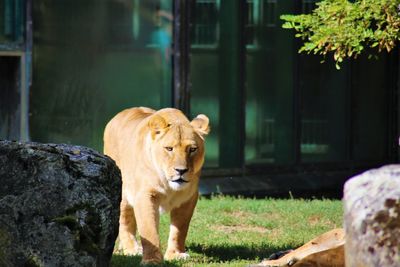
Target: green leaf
[(349, 27)]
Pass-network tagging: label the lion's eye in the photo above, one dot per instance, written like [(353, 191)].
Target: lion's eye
[(168, 148), (192, 149)]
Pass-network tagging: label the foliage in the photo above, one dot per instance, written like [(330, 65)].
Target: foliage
[(227, 231), (347, 28)]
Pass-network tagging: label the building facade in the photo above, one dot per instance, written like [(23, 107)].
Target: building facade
[(281, 121)]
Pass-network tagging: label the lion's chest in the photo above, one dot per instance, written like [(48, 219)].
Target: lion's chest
[(173, 200)]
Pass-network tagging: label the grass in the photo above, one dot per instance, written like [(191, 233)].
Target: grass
[(227, 231)]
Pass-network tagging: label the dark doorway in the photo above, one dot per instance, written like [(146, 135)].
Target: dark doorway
[(10, 95)]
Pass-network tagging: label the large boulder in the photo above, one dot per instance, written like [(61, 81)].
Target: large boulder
[(372, 218), (59, 205)]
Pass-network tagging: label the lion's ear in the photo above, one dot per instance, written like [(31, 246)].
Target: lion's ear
[(201, 124), (158, 125)]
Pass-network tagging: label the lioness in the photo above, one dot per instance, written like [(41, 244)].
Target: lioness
[(160, 154)]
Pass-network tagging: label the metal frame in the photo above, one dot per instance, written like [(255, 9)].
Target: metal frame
[(181, 59)]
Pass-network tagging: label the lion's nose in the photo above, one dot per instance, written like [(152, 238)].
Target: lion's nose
[(181, 171)]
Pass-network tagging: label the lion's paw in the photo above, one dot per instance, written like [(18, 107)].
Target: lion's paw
[(131, 250), (176, 256)]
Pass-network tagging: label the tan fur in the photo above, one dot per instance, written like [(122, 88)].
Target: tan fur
[(150, 147), (326, 250)]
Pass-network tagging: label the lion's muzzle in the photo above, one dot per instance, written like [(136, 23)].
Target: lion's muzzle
[(181, 171), (178, 184), (180, 180)]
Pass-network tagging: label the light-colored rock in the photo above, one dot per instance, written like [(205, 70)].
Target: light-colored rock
[(372, 218)]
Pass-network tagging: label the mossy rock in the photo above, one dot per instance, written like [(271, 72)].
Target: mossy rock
[(59, 205)]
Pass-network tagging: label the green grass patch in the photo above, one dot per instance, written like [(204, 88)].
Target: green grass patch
[(228, 231)]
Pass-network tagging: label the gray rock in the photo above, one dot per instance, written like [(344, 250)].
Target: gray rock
[(372, 218), (59, 205)]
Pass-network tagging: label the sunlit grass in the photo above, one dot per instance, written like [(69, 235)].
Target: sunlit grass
[(227, 231)]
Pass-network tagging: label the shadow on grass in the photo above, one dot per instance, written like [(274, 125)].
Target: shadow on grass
[(214, 253), (119, 260), (236, 252)]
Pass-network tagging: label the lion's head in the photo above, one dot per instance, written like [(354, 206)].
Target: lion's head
[(177, 146)]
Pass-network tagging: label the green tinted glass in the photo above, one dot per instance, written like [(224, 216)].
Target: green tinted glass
[(12, 20), (371, 110), (269, 83), (215, 76), (324, 100), (94, 58), (204, 69), (10, 96)]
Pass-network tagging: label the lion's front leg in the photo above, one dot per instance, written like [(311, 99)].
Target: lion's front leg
[(128, 244), (147, 219), (180, 219)]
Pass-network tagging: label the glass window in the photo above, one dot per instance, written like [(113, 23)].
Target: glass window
[(307, 6), (10, 97), (269, 86), (205, 98), (204, 67), (12, 20), (94, 58), (215, 77), (370, 109), (324, 98), (205, 26)]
